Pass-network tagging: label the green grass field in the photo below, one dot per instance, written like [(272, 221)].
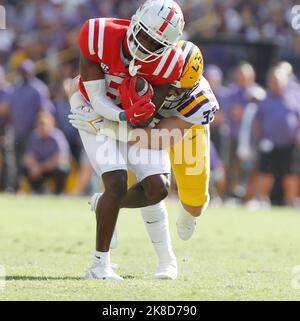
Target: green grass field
[(46, 246)]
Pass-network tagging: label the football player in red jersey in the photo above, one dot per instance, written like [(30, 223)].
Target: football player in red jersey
[(111, 49), (190, 106)]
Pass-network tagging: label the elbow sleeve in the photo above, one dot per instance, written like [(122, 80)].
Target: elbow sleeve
[(103, 105)]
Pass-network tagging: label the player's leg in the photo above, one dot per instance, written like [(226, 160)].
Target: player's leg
[(154, 177), (153, 187), (191, 167), (107, 160), (149, 191), (140, 195), (194, 211), (108, 206), (156, 221), (149, 167)]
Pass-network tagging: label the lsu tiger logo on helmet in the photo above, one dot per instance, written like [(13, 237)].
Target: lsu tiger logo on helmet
[(193, 65), (191, 74)]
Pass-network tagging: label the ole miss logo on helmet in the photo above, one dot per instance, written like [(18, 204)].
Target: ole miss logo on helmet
[(169, 18)]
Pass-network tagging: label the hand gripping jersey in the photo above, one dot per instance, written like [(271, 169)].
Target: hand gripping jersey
[(199, 108), (101, 40)]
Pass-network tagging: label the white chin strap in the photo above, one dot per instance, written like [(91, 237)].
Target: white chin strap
[(132, 68)]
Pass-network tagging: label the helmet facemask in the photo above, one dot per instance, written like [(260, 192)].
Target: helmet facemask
[(137, 50), (182, 94)]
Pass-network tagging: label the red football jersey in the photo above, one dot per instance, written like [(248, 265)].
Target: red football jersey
[(101, 40)]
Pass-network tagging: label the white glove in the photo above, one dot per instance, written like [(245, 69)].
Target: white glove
[(86, 119), (83, 117)]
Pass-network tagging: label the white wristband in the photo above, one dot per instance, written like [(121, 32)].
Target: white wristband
[(103, 105)]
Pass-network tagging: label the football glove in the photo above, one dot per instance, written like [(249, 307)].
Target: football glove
[(86, 119), (129, 94), (140, 111)]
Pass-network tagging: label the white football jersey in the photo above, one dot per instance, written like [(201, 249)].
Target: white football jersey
[(199, 108)]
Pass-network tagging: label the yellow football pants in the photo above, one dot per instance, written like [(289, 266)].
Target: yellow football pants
[(191, 166)]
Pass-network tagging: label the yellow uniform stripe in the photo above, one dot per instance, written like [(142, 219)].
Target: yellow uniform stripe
[(189, 107)]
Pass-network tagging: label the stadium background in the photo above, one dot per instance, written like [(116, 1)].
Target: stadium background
[(41, 39), (46, 242)]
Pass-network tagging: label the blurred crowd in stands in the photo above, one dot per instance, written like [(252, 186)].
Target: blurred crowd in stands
[(255, 135)]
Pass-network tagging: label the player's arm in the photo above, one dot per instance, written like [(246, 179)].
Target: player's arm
[(165, 134), (93, 77), (159, 95), (95, 86), (85, 118), (89, 69), (162, 89), (200, 111)]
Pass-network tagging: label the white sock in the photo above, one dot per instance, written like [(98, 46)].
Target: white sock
[(156, 221), (186, 215), (102, 258)]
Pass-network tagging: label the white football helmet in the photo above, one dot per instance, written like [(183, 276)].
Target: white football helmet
[(162, 20)]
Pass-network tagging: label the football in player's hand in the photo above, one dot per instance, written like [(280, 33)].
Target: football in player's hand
[(142, 87), (135, 94), (132, 89)]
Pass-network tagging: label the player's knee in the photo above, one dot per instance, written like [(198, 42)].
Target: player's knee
[(194, 210), (116, 184), (156, 188), (118, 189), (157, 194)]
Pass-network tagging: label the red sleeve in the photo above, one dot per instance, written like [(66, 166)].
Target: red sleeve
[(177, 70), (87, 39), (82, 90), (171, 70)]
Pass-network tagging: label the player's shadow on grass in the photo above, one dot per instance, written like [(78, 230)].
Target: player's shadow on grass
[(40, 278)]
